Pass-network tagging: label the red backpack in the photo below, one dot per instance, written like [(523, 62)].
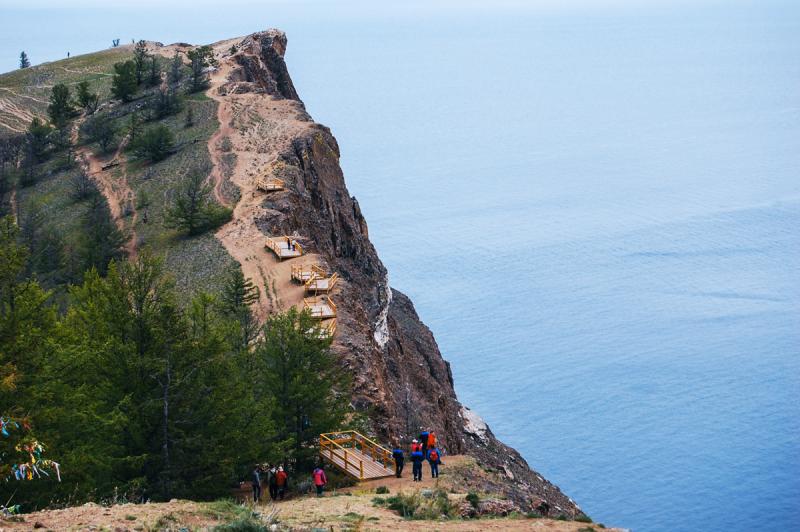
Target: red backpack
[(434, 455)]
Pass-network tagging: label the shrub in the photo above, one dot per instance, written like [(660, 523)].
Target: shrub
[(583, 518), (415, 506), (381, 490), (586, 529), (473, 498), (248, 524), (155, 144)]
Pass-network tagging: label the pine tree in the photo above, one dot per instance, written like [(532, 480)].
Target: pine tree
[(24, 62), (238, 295), (60, 108), (140, 56), (200, 58), (101, 241), (123, 84), (308, 390), (87, 99)]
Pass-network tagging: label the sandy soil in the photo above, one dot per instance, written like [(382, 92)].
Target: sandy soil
[(258, 128)]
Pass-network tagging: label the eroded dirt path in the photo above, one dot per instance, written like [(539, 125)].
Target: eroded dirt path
[(254, 129), (116, 190)]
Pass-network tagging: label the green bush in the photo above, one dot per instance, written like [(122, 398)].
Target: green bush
[(155, 144), (583, 518), (473, 498), (415, 506), (381, 490), (242, 525)]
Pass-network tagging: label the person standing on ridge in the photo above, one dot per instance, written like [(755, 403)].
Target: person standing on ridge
[(256, 482), (431, 440), (434, 459), (399, 460), (416, 458), (320, 480), (272, 482), (282, 479)]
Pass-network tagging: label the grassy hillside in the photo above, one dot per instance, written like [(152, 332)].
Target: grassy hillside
[(197, 263)]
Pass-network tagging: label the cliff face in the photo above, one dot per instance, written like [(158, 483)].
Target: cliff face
[(399, 375)]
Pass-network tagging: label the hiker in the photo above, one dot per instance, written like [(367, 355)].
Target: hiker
[(431, 440), (423, 439), (256, 482), (320, 480), (272, 481), (282, 480), (399, 460), (434, 459), (417, 457), (415, 446), (289, 243)]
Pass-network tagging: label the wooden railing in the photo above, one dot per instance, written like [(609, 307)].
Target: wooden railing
[(303, 272), (270, 185), (275, 245), (310, 302), (312, 284), (336, 444)]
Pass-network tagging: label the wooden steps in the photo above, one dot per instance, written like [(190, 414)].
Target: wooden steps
[(272, 184), (284, 247), (356, 455)]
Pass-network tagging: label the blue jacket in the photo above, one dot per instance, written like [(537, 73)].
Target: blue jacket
[(417, 457)]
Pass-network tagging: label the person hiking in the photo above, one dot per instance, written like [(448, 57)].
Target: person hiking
[(256, 482), (272, 482), (416, 458), (415, 446), (434, 459), (320, 480), (431, 440), (282, 479), (423, 439), (399, 460)]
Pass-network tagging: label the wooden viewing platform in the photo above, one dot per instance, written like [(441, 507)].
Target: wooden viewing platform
[(272, 184), (356, 455), (305, 272), (321, 307), (325, 330), (284, 247), (317, 284)]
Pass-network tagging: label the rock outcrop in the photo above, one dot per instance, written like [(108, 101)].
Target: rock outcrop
[(400, 377)]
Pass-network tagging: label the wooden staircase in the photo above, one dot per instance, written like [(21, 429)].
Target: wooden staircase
[(356, 455)]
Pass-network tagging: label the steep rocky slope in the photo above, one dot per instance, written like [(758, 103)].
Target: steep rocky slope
[(400, 377)]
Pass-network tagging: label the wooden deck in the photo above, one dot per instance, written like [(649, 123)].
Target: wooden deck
[(321, 307), (272, 184), (356, 455), (304, 272), (317, 284), (284, 247)]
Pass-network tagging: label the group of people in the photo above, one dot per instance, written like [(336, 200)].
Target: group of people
[(276, 478), (422, 448), (278, 481)]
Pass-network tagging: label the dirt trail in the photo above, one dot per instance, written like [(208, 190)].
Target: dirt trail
[(116, 190), (257, 129)]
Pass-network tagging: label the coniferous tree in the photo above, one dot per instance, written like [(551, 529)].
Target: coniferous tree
[(155, 144), (154, 76), (192, 209), (123, 84), (238, 295), (101, 240), (24, 62), (100, 129), (175, 70), (86, 99), (140, 56), (60, 108), (200, 58), (38, 138), (308, 390)]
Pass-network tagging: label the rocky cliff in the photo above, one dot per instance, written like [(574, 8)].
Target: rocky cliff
[(400, 377)]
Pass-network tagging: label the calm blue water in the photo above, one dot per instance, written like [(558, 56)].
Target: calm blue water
[(596, 210)]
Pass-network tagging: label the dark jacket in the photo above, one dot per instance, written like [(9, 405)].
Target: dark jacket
[(417, 457), (397, 454)]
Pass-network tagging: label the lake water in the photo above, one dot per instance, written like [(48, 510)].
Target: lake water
[(596, 210)]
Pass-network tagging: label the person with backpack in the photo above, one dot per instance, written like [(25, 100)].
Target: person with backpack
[(431, 440), (416, 458), (272, 482), (256, 482), (415, 446), (399, 460), (320, 480), (423, 439), (282, 480), (434, 459)]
